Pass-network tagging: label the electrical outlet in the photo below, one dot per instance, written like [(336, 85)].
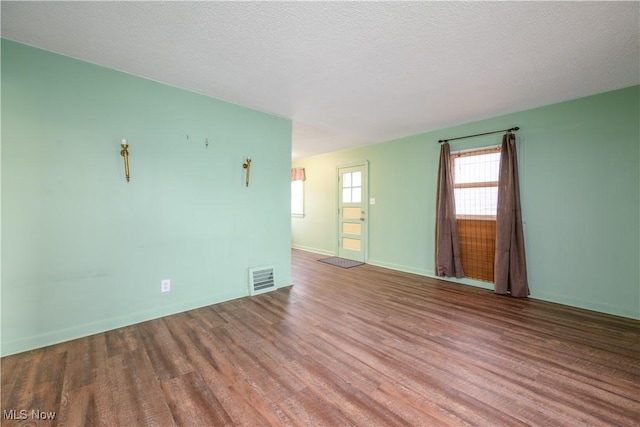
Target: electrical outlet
[(165, 285)]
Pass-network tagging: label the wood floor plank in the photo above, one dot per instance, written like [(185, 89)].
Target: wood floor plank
[(165, 355), (78, 408), (84, 357), (192, 402), (122, 340), (129, 394), (364, 346), (244, 404)]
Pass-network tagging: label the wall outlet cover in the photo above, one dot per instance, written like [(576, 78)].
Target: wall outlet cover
[(165, 285)]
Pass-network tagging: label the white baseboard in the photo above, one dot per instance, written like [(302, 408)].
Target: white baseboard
[(314, 250)]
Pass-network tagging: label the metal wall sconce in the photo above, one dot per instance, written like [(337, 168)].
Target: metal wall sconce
[(247, 165), (125, 153)]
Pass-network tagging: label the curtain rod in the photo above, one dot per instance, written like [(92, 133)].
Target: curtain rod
[(479, 134)]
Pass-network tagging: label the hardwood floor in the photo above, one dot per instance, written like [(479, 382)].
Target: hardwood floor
[(364, 346)]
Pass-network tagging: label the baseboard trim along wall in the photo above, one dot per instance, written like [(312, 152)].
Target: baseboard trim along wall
[(314, 250)]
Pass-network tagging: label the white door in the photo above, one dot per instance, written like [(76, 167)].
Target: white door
[(352, 210)]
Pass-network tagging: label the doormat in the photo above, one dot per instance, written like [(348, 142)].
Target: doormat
[(341, 262)]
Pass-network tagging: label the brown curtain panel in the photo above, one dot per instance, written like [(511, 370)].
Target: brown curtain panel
[(510, 263), (448, 262)]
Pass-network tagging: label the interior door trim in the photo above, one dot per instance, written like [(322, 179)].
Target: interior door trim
[(365, 206)]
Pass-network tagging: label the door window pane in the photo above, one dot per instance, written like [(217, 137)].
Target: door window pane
[(352, 187), (356, 195), (357, 179), (346, 180)]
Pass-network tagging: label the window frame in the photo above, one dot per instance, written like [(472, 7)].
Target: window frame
[(351, 187), (482, 184), (476, 233)]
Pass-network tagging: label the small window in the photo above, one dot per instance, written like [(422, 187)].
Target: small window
[(475, 181), (352, 187), (297, 198)]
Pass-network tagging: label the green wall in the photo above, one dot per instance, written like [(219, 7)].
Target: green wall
[(579, 164), (84, 251)]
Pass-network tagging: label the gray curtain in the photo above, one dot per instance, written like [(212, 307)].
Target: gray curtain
[(510, 263), (448, 263)]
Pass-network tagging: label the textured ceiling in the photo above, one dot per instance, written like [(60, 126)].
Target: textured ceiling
[(352, 73)]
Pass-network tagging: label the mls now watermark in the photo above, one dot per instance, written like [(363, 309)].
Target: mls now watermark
[(23, 414)]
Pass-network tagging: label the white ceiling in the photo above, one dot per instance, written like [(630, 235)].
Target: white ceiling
[(352, 73)]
